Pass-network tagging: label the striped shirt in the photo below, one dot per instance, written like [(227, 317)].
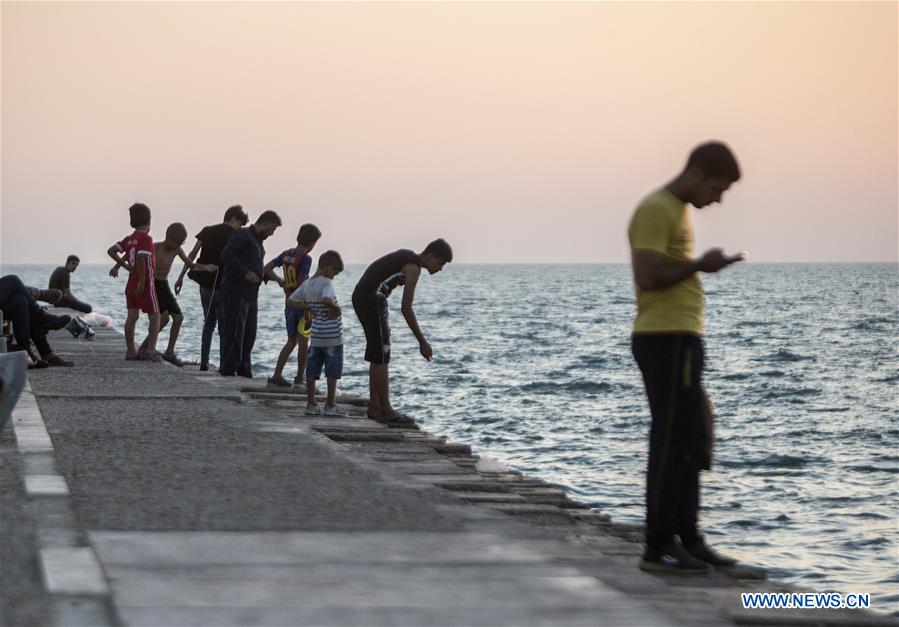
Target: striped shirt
[(326, 331)]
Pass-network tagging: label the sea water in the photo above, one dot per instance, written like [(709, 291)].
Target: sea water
[(532, 366)]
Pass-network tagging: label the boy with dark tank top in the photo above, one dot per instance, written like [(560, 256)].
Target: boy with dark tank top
[(399, 268)]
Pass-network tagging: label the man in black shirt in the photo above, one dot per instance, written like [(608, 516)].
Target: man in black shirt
[(402, 267), (210, 244), (243, 260), (59, 280)]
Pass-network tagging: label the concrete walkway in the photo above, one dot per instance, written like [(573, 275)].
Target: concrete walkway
[(142, 494)]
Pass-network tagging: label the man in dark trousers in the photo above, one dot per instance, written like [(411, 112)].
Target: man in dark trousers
[(243, 259), (19, 307), (210, 244), (667, 345), (401, 267), (59, 280)]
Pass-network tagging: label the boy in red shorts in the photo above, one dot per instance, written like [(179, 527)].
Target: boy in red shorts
[(164, 254), (136, 253)]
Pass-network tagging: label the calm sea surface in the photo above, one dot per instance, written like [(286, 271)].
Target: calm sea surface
[(532, 366)]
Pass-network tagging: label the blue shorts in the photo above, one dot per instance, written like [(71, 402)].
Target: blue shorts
[(331, 357), (292, 317)]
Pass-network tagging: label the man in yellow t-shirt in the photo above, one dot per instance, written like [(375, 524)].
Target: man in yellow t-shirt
[(667, 345)]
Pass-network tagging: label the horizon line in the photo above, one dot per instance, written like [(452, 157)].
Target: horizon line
[(517, 263)]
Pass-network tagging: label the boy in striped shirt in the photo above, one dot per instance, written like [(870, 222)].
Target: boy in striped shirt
[(316, 295)]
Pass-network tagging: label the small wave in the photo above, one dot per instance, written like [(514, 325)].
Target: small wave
[(546, 387), (833, 410), (752, 323), (868, 468), (870, 542), (770, 461), (871, 323), (737, 376), (797, 433), (785, 356), (745, 523), (870, 516), (791, 393), (590, 361), (772, 373), (864, 433)]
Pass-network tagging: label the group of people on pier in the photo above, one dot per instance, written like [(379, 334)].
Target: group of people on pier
[(228, 262), (667, 335)]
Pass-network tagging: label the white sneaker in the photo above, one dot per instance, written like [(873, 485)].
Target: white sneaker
[(313, 409), (334, 410)]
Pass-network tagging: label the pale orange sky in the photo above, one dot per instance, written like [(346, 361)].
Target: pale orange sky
[(518, 131)]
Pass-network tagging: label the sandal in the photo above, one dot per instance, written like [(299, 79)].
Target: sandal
[(144, 356), (173, 359)]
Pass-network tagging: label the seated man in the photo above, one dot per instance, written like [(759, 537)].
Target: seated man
[(20, 308), (60, 280), (39, 337), (38, 332)]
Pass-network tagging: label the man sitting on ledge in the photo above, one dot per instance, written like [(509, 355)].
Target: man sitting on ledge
[(59, 280)]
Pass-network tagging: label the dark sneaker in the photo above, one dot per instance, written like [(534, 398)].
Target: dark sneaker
[(34, 362), (298, 380), (701, 551), (278, 382), (673, 559), (204, 367), (51, 323), (55, 361)]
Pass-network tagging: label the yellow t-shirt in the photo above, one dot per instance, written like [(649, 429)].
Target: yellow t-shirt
[(662, 223)]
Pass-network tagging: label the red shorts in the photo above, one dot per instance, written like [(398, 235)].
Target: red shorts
[(146, 302)]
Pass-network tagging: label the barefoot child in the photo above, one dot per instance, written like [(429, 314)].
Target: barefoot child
[(296, 263), (135, 253), (317, 296), (401, 267), (166, 251)]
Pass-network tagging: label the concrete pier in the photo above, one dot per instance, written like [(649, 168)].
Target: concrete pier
[(136, 493)]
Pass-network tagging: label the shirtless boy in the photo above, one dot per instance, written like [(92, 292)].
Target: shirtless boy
[(165, 253)]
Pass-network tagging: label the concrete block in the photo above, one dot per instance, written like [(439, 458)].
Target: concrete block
[(46, 485), (72, 571)]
